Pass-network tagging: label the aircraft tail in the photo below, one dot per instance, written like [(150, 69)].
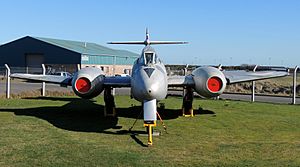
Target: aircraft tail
[(148, 42)]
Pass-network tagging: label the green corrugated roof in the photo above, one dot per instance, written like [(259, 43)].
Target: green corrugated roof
[(87, 48)]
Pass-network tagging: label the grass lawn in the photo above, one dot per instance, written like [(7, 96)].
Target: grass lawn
[(68, 131)]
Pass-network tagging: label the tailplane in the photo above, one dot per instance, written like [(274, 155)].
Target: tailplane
[(148, 42)]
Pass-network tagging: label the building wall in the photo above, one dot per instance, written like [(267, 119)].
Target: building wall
[(106, 63), (108, 60), (109, 69), (17, 52), (14, 53)]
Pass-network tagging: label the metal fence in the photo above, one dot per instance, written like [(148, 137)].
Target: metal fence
[(50, 69)]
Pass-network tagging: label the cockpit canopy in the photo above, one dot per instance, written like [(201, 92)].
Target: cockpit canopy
[(149, 58)]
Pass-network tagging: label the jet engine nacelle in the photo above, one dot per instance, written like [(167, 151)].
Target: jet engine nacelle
[(209, 81), (88, 82)]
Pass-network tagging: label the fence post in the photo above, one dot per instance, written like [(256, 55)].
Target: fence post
[(114, 74), (184, 73), (220, 66), (7, 81), (253, 86), (44, 84), (295, 85)]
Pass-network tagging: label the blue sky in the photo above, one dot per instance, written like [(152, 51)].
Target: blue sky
[(230, 32)]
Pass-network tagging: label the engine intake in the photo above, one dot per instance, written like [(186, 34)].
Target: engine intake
[(88, 82), (214, 84), (82, 85), (209, 81)]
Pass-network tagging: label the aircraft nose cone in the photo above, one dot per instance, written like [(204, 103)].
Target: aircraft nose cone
[(153, 90), (149, 83)]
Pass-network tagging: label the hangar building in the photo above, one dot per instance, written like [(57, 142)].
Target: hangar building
[(34, 51)]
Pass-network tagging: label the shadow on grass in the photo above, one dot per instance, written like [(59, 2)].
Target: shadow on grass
[(201, 111), (86, 116), (77, 115), (138, 141), (69, 99), (83, 115)]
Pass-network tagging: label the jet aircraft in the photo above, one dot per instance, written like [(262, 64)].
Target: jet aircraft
[(149, 81)]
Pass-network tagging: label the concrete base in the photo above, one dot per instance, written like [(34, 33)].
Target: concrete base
[(146, 134)]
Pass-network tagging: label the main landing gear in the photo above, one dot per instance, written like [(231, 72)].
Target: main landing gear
[(187, 104), (110, 106)]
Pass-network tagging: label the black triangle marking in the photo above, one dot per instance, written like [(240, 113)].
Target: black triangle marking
[(149, 71)]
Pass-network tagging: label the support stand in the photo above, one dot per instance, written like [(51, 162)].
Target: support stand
[(162, 122), (109, 109), (187, 104), (149, 127)]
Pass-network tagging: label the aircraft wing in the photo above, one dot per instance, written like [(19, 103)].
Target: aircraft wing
[(117, 81), (178, 81), (244, 76), (44, 78), (231, 77)]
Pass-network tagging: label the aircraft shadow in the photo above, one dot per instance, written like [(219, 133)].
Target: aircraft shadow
[(136, 112), (78, 115), (69, 99), (201, 111), (83, 115), (131, 112), (86, 116)]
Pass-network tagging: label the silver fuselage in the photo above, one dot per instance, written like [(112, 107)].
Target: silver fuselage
[(149, 77)]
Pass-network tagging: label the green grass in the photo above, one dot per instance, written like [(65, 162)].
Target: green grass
[(72, 132)]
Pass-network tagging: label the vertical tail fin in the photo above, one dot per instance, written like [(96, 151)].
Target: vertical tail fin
[(147, 40)]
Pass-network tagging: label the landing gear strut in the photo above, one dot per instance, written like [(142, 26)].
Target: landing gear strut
[(110, 105), (150, 109), (149, 127), (149, 124), (187, 104)]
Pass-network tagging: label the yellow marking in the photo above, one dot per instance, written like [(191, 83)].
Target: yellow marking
[(191, 111), (150, 132)]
